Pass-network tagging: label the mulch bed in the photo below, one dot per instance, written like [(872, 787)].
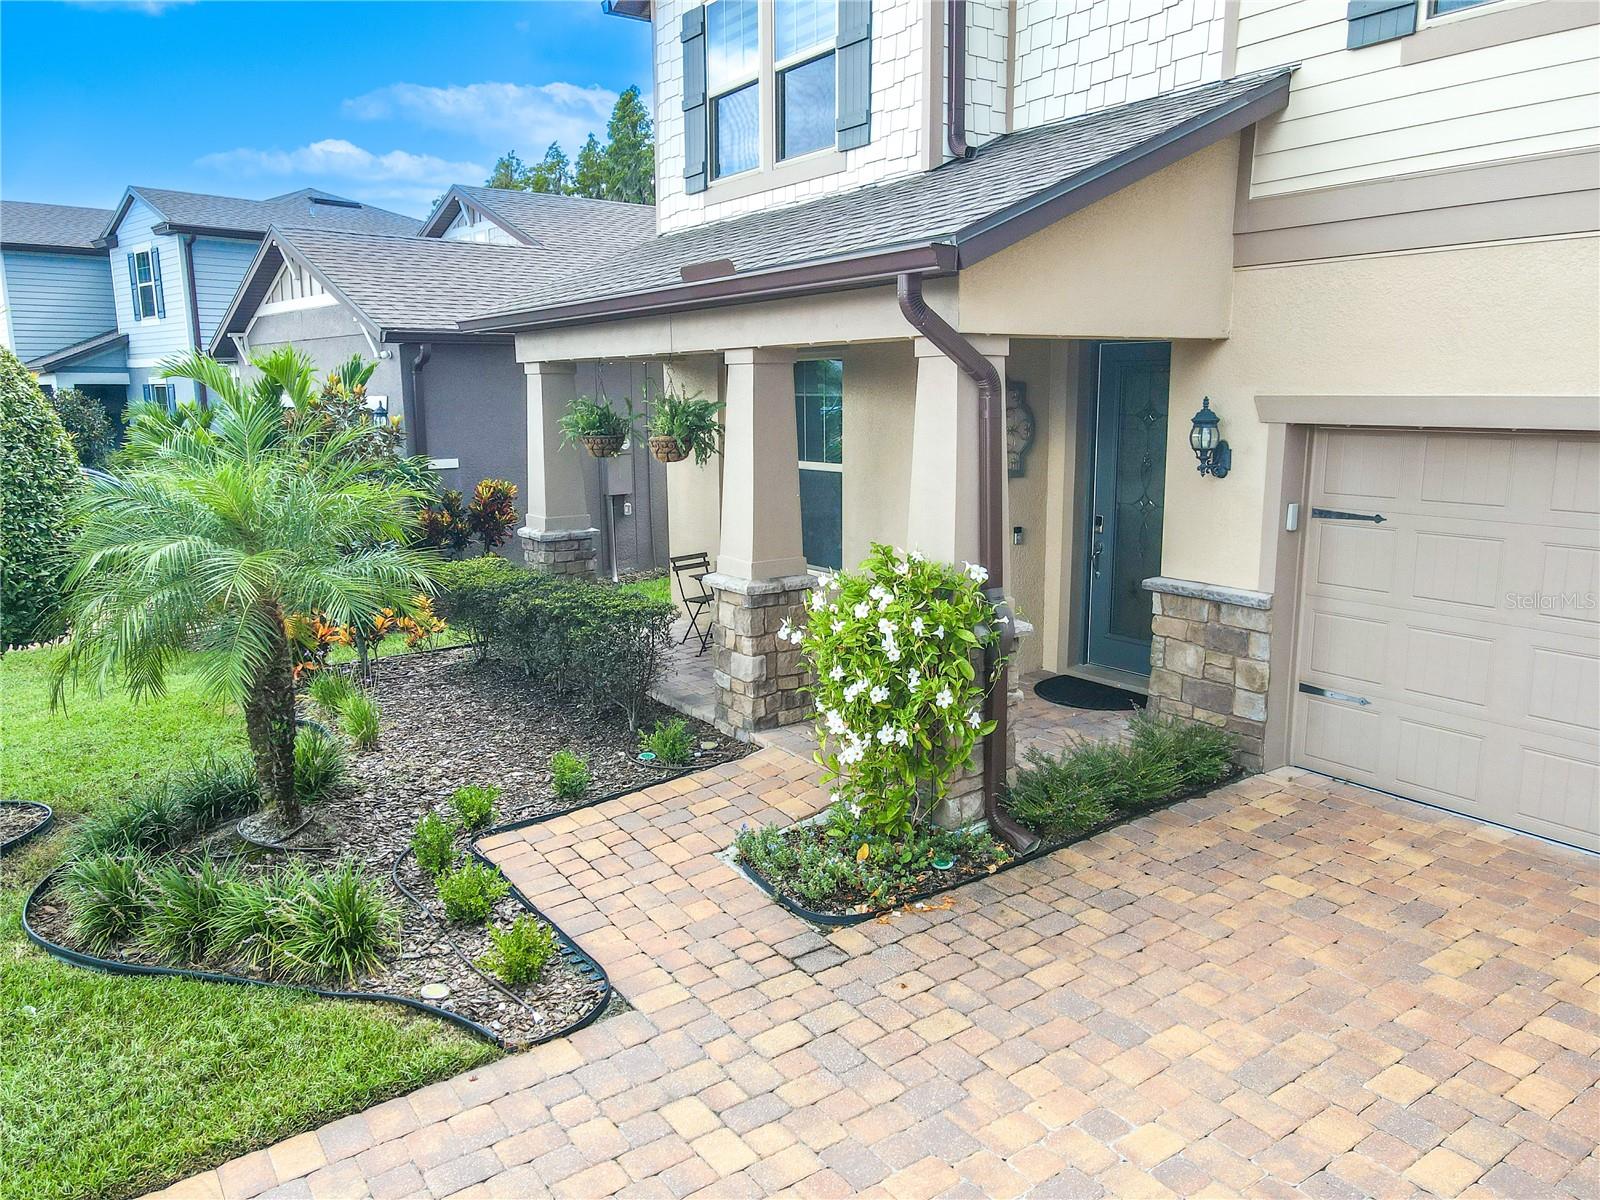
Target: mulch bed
[(20, 820), (449, 720)]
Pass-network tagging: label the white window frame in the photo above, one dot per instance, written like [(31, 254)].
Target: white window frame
[(163, 391), (780, 66), (803, 463), (756, 78), (145, 255)]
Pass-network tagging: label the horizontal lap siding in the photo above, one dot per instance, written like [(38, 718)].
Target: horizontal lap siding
[(1365, 114), (219, 265), (56, 300)]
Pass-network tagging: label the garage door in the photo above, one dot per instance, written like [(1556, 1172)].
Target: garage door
[(1449, 632)]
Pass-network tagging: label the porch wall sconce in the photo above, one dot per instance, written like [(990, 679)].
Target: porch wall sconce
[(1213, 453)]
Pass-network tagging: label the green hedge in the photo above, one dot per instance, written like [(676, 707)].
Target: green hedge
[(599, 645)]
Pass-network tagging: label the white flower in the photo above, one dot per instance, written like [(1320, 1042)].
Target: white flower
[(918, 625), (855, 689), (974, 718), (878, 591), (975, 572), (891, 652), (886, 735), (836, 723), (785, 630), (852, 753), (797, 636), (838, 626), (914, 678), (917, 556), (944, 699), (817, 601), (902, 567), (878, 694), (939, 632), (885, 626), (885, 600), (855, 809), (862, 609), (902, 737), (834, 797), (837, 673)]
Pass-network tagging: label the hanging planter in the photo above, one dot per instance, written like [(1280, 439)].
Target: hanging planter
[(681, 426), (667, 448), (601, 428)]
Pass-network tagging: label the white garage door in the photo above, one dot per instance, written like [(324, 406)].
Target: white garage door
[(1451, 651)]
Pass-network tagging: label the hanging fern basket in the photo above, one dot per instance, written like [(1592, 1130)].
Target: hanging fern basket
[(602, 446), (667, 449)]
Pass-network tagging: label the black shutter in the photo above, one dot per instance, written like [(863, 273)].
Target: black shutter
[(155, 274), (1374, 21), (695, 123), (133, 285), (855, 73)]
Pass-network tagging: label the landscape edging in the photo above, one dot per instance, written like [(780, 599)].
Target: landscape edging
[(23, 838)]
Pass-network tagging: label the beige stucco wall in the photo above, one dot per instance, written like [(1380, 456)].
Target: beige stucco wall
[(1028, 500), (694, 494), (1152, 261), (1512, 319), (879, 395)]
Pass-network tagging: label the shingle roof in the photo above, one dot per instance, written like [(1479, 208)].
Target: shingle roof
[(87, 348), (572, 223), (945, 205), (54, 226), (308, 206)]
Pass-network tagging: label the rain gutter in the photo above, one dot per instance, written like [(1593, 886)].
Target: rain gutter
[(991, 544)]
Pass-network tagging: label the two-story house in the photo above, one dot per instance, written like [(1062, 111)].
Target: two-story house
[(1290, 306), (177, 258), (57, 313)]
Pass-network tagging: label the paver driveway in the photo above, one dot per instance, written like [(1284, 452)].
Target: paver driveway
[(1287, 987)]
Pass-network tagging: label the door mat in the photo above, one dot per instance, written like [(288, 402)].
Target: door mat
[(1071, 692)]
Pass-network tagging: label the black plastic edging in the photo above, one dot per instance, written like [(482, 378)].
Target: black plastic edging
[(668, 775), (1038, 852), (49, 819)]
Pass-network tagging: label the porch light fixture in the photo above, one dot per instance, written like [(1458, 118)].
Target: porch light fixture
[(1213, 453)]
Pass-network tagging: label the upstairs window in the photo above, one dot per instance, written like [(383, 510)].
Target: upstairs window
[(804, 65), (144, 283), (733, 64)]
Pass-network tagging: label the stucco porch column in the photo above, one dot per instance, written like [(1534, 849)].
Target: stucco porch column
[(558, 535), (760, 579)]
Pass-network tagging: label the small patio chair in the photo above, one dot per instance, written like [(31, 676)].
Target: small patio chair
[(687, 569)]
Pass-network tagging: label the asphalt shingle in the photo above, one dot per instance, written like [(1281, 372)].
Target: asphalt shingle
[(66, 226), (308, 206)]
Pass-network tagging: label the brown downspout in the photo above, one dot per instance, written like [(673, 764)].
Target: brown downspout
[(186, 243), (991, 539), (955, 79), (419, 435)]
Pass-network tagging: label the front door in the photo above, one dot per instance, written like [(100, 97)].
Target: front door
[(1130, 464)]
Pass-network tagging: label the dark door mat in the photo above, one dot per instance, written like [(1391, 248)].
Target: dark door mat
[(1071, 692)]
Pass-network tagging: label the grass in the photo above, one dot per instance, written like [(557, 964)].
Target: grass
[(112, 1086), (657, 588)]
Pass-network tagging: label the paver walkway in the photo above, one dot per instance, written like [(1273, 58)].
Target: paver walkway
[(1289, 987)]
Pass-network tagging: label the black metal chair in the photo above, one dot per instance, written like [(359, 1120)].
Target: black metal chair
[(694, 567)]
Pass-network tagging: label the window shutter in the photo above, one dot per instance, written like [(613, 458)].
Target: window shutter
[(1374, 21), (854, 108), (149, 393), (696, 126), (133, 286), (155, 274)]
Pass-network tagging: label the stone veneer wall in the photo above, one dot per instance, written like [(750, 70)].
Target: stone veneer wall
[(1208, 658), (566, 552), (760, 681)]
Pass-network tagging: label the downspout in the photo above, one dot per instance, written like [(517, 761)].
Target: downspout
[(991, 540), (955, 79), (187, 244), (419, 435)]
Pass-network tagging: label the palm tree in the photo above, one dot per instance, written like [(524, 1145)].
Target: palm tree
[(213, 532)]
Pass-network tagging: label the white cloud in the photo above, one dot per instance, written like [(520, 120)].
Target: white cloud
[(151, 8), (337, 158), (528, 116)]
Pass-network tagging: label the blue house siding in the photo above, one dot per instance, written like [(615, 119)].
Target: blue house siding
[(153, 338), (56, 300), (219, 266)]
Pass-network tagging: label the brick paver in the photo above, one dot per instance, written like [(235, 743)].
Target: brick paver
[(1288, 987)]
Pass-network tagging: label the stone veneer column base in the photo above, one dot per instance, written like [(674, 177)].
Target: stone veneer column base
[(561, 551), (963, 803), (1208, 658), (760, 680)]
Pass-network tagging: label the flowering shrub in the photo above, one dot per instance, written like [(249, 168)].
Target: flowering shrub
[(899, 700)]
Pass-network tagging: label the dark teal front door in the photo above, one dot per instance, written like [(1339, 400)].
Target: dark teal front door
[(1130, 465)]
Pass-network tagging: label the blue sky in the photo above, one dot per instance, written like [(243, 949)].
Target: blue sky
[(384, 102)]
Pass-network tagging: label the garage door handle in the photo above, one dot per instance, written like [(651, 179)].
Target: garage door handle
[(1312, 689), (1334, 514)]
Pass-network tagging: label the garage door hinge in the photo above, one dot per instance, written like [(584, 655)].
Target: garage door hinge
[(1333, 514), (1312, 689)]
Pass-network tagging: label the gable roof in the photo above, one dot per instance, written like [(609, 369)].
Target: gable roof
[(63, 228), (933, 222), (398, 288), (557, 222), (229, 216), (89, 347)]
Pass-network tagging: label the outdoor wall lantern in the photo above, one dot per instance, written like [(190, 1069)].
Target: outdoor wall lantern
[(1214, 455)]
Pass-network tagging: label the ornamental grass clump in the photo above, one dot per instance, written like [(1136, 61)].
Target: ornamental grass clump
[(329, 690), (359, 719), (320, 769), (475, 806), (470, 891), (899, 699), (339, 926), (107, 896), (218, 788), (184, 901), (520, 951), (569, 775)]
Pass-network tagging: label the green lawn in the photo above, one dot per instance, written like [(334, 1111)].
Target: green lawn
[(657, 588), (112, 1086)]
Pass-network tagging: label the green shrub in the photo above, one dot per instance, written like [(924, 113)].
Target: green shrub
[(520, 951), (1055, 797), (330, 689), (319, 766), (1202, 754), (220, 787), (434, 844), (38, 475), (339, 925), (475, 806), (184, 902), (216, 789), (672, 742), (107, 896), (569, 774), (469, 891), (85, 419), (359, 718), (471, 591)]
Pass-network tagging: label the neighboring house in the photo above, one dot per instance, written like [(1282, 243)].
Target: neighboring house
[(461, 397), (177, 259), (55, 289), (1369, 243)]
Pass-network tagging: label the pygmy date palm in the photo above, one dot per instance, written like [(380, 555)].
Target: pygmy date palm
[(212, 533)]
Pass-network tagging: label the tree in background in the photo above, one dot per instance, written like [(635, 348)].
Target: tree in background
[(38, 473), (84, 418), (624, 168)]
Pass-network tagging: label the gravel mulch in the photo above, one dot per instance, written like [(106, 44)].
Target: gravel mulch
[(449, 720)]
